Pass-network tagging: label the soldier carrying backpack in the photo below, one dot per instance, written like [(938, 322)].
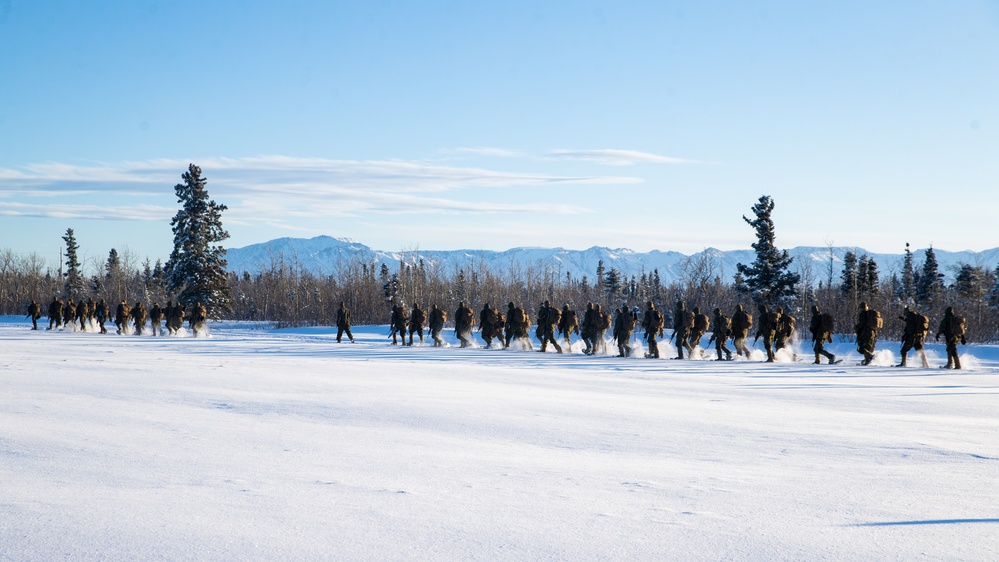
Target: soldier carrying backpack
[(699, 327), (769, 320), (723, 327), (653, 323), (742, 322), (868, 324), (822, 327), (952, 327), (913, 335)]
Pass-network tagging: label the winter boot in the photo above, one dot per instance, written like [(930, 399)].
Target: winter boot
[(957, 362)]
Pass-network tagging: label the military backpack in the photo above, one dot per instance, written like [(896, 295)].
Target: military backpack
[(873, 320), (701, 322), (957, 326), (828, 323)]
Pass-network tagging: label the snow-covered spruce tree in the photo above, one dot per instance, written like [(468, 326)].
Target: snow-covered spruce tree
[(850, 275), (769, 279), (930, 283), (196, 270), (908, 277), (76, 285)]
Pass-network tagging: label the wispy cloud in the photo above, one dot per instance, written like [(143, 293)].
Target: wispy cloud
[(617, 157), (608, 156), (496, 152), (144, 213), (275, 189)]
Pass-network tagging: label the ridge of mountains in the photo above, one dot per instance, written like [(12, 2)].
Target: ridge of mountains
[(326, 255)]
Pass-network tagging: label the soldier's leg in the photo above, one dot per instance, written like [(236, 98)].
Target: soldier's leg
[(906, 346), (952, 358), (558, 348)]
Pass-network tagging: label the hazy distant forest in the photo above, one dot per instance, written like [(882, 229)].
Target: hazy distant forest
[(288, 295)]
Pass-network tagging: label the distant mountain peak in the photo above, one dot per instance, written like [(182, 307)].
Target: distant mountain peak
[(327, 255)]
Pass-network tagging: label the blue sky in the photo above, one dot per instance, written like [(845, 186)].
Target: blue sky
[(444, 125)]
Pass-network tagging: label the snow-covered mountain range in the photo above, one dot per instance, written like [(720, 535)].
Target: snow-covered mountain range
[(326, 255)]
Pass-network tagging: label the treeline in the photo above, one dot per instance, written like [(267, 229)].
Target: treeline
[(287, 294)]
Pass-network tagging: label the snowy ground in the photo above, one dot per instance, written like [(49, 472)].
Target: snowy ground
[(283, 445)]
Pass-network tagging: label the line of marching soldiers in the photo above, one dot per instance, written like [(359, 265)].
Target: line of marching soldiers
[(127, 319), (775, 327)]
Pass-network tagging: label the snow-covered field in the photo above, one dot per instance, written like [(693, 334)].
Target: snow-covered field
[(282, 445)]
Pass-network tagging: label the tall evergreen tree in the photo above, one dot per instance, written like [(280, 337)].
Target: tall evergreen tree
[(862, 265), (930, 282), (848, 279), (612, 284), (76, 285), (867, 276), (970, 283), (908, 281), (769, 279), (196, 268)]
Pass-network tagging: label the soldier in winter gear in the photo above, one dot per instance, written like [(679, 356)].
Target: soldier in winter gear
[(567, 324), (624, 325), (101, 314), (121, 317), (491, 323), (548, 319), (34, 312), (343, 323), (437, 319), (653, 323), (55, 313), (175, 320), (698, 328), (602, 327), (69, 314), (198, 317), (518, 325), (397, 323), (768, 329), (682, 323), (723, 328), (588, 329), (156, 319), (952, 327), (464, 321), (785, 330), (913, 335), (868, 324), (82, 314), (416, 320), (742, 322), (139, 317), (821, 327)]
